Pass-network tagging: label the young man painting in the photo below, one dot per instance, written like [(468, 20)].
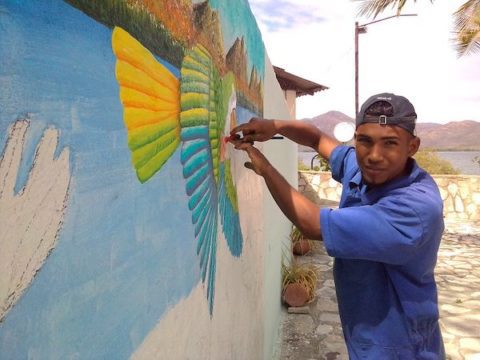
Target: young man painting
[(385, 234)]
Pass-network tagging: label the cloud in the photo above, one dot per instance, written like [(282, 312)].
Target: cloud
[(412, 56), (277, 15)]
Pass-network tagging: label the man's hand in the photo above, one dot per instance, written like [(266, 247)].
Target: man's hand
[(297, 208), (258, 162), (255, 130)]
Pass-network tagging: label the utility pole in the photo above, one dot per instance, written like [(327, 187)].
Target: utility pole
[(362, 29), (359, 29)]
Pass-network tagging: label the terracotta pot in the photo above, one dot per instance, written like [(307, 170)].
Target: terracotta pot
[(295, 295), (301, 247)]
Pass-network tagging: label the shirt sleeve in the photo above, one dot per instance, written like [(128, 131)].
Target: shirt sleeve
[(389, 231), (341, 159)]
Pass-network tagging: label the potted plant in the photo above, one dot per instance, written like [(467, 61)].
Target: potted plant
[(300, 244), (299, 282)]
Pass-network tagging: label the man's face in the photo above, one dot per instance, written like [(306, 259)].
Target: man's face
[(382, 152)]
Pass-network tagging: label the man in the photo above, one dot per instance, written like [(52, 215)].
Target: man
[(384, 236)]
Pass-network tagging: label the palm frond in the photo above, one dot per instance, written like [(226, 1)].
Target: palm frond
[(371, 8), (467, 28)]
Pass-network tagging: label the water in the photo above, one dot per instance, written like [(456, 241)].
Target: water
[(460, 160)]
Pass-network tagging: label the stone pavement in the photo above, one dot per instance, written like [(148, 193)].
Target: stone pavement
[(314, 332)]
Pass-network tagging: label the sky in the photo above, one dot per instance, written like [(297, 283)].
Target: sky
[(411, 56)]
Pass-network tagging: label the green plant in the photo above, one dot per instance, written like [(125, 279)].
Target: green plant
[(300, 244), (433, 164), (296, 234), (324, 164), (300, 274), (303, 167)]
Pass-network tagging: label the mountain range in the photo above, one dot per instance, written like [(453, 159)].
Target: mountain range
[(455, 135)]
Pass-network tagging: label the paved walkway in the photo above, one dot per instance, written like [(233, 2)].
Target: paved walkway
[(315, 332)]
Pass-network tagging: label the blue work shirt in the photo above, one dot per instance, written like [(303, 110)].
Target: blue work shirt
[(385, 243)]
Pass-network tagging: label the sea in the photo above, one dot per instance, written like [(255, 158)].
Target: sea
[(463, 161)]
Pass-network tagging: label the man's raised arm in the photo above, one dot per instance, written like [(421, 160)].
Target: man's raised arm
[(301, 132)]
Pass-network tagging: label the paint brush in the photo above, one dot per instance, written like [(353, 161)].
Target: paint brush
[(238, 137)]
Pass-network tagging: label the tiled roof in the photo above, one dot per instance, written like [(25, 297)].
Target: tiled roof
[(302, 86)]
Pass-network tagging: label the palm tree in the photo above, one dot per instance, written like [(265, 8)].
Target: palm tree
[(466, 19), (467, 27)]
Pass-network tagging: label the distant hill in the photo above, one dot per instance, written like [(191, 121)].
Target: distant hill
[(458, 135), (326, 122), (455, 135)]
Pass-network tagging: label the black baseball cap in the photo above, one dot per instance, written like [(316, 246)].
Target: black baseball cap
[(404, 114)]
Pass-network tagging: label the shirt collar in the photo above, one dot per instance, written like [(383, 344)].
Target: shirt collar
[(356, 180), (376, 193)]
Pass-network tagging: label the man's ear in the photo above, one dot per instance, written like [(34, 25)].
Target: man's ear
[(413, 146)]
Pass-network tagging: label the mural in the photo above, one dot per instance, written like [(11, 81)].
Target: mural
[(116, 183), (31, 218), (159, 113)]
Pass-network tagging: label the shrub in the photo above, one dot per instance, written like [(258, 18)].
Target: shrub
[(433, 164), (324, 165)]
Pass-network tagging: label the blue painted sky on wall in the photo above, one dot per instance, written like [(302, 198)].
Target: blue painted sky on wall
[(126, 252)]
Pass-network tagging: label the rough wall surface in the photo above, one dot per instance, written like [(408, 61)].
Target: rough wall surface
[(460, 193), (128, 227)]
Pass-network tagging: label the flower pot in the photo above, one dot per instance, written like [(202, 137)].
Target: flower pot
[(301, 247), (295, 295)]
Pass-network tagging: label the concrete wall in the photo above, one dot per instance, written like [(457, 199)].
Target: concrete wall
[(291, 98), (283, 155), (460, 193), (128, 228)]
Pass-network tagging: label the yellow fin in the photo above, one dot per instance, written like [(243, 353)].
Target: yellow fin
[(150, 95)]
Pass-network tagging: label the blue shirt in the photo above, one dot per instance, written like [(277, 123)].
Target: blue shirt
[(385, 243)]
